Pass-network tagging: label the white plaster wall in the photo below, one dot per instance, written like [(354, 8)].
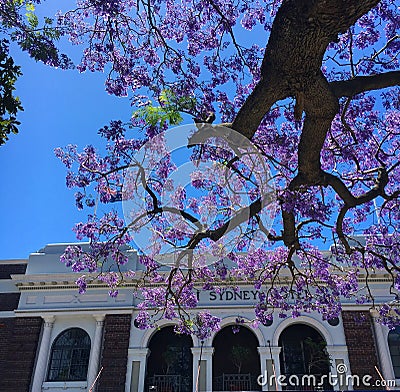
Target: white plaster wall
[(384, 354), (69, 299), (47, 260)]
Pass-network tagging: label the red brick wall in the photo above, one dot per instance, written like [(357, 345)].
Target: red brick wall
[(6, 327), (9, 301), (6, 270), (115, 353), (18, 344), (358, 329)]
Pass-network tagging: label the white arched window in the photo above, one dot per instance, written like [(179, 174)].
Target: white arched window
[(394, 347), (69, 356)]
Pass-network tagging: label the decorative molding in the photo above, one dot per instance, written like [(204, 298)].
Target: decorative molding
[(49, 321), (57, 299), (231, 320), (31, 300), (205, 351), (121, 298), (337, 350), (67, 281), (99, 320), (50, 385), (68, 311), (92, 298), (138, 354), (316, 324)]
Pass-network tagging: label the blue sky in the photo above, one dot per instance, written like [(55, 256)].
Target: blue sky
[(61, 107)]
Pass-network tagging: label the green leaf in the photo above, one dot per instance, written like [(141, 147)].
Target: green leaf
[(32, 20), (168, 112), (9, 104), (30, 7)]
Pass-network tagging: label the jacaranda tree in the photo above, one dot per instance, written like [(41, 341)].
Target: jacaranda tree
[(305, 155)]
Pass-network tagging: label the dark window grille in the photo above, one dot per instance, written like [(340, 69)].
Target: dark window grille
[(69, 358), (236, 362), (394, 348), (304, 354), (166, 383), (170, 363), (235, 382)]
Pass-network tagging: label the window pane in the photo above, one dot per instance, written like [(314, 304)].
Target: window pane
[(70, 356)]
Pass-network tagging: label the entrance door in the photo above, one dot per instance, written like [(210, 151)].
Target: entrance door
[(236, 362), (303, 354), (170, 363)]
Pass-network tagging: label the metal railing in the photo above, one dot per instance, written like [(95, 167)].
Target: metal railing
[(235, 382), (306, 382), (165, 383)]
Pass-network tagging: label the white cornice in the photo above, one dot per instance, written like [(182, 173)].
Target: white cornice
[(72, 312), (14, 261), (67, 281)]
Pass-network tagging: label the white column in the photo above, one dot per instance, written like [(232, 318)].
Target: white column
[(41, 363), (140, 355), (196, 358), (96, 349), (385, 360), (207, 356), (340, 366), (264, 357)]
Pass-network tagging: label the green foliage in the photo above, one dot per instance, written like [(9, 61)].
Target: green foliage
[(23, 27), (31, 17), (239, 355), (319, 359), (9, 104), (169, 110), (20, 23)]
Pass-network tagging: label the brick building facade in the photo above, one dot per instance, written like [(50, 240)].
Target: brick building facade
[(41, 313)]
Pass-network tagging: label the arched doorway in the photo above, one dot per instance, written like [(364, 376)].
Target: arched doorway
[(236, 362), (304, 354), (170, 363)]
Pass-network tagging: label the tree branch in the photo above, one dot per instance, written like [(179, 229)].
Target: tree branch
[(353, 201), (360, 84)]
